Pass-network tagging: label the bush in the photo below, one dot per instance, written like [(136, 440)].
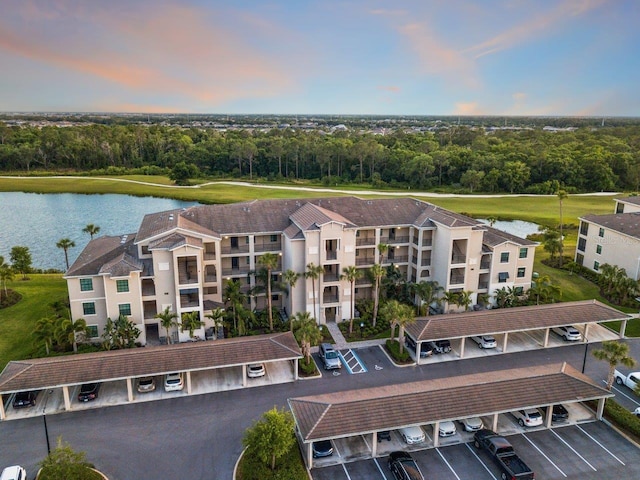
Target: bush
[(393, 347), (307, 369), (621, 417), (290, 467), (64, 462)]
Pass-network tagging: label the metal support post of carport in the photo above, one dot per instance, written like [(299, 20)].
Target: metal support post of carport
[(295, 369), (494, 423), (548, 416), (309, 456), (244, 375), (3, 414), (600, 408), (189, 382)]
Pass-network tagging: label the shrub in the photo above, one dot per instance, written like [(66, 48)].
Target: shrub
[(307, 369), (64, 462), (393, 347)]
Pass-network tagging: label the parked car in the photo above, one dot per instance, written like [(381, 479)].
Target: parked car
[(16, 472), (323, 448), (485, 341), (440, 346), (88, 392), (412, 435), (173, 382), (530, 417), (329, 356), (256, 370), (25, 399), (446, 429), (559, 414), (403, 467), (568, 333), (384, 435), (425, 348), (503, 454), (146, 384), (471, 424)]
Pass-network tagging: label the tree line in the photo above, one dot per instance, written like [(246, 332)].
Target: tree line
[(456, 157)]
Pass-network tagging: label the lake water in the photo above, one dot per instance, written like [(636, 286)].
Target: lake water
[(514, 227), (39, 221)]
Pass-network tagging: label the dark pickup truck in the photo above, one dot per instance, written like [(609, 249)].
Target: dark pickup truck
[(512, 467)]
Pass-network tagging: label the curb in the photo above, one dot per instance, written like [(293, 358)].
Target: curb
[(399, 365)]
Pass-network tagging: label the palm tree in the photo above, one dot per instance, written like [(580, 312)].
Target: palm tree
[(66, 244), (561, 196), (191, 322), (543, 290), (167, 320), (614, 353), (217, 317), (44, 331), (450, 298), (377, 272), (269, 262), (290, 278), (6, 274), (464, 299), (351, 274), (427, 292), (91, 229), (66, 330), (383, 248), (306, 332), (399, 314), (234, 297), (390, 311), (313, 272)]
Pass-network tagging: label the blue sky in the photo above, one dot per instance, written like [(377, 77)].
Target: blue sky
[(422, 57)]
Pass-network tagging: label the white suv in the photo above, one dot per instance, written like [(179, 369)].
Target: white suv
[(412, 435), (568, 333), (173, 382), (485, 341), (531, 417), (15, 472)]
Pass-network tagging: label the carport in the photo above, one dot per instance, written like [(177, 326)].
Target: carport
[(367, 411), (126, 365), (584, 315)]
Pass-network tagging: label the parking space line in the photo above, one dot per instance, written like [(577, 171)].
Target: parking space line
[(481, 462), (448, 465), (624, 394), (544, 455), (335, 447), (345, 471), (573, 450), (379, 468), (602, 446)]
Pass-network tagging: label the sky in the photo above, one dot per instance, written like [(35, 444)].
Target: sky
[(401, 57)]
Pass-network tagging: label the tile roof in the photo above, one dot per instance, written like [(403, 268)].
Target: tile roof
[(354, 412), (40, 373), (494, 237), (517, 319), (635, 200), (625, 223), (122, 266), (101, 251), (175, 240)]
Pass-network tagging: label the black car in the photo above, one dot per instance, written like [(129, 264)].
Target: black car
[(404, 467), (25, 399), (559, 414), (425, 349), (440, 346), (88, 392), (322, 448), (384, 435)]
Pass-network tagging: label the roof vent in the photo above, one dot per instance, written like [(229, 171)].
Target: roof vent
[(123, 239), (171, 216)]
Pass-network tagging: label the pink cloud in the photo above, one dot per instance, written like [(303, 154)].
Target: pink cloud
[(389, 88)]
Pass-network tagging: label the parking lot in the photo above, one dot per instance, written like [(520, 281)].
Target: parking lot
[(590, 450)]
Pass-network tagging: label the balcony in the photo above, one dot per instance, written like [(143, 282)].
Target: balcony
[(368, 241), (425, 262), (398, 259), (458, 258), (395, 240), (483, 285), (228, 249), (148, 288), (267, 247), (365, 261), (331, 254), (456, 279), (189, 298), (236, 270), (331, 277), (485, 265), (330, 298)]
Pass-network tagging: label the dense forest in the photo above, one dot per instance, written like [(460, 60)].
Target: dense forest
[(466, 158)]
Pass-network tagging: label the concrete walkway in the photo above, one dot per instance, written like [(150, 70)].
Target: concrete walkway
[(342, 344)]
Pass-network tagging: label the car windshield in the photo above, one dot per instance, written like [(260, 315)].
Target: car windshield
[(146, 381), (331, 354), (412, 469), (489, 338), (534, 414)]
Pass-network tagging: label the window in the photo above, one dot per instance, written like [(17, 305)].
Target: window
[(521, 272), (503, 277), (125, 309), (89, 308), (273, 238), (619, 207), (582, 244), (584, 228), (122, 286), (86, 284), (145, 250), (524, 252), (580, 259), (596, 266), (598, 249), (504, 257), (519, 290), (601, 232), (92, 331)]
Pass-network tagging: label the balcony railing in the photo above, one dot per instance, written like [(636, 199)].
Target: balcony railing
[(267, 247), (210, 278), (426, 262), (427, 242), (148, 290), (485, 265), (363, 281), (209, 255), (228, 249), (188, 301), (365, 241), (185, 278), (331, 277), (331, 254), (456, 279), (395, 240), (235, 271), (458, 258), (365, 261), (483, 285), (398, 259), (330, 298)]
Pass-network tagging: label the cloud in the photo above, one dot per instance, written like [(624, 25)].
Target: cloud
[(389, 88), (388, 13), (155, 47), (531, 29), (467, 108)]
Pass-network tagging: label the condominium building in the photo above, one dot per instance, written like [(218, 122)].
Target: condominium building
[(613, 239), (184, 259)]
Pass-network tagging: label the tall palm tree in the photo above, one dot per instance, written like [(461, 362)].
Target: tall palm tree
[(450, 298), (6, 275), (234, 298), (399, 314), (383, 248), (561, 196), (269, 262), (44, 331), (290, 278), (167, 320), (464, 299), (65, 244), (313, 272), (614, 353), (191, 322), (427, 292), (91, 229), (306, 332), (351, 274), (66, 331), (377, 272), (217, 317)]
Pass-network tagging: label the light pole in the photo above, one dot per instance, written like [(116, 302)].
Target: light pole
[(586, 349), (44, 419)]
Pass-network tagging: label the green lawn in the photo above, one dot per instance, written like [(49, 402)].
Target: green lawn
[(17, 322)]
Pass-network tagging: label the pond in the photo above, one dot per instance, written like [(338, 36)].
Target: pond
[(519, 228), (39, 221)]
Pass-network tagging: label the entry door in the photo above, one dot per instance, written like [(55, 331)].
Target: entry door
[(235, 263), (234, 242)]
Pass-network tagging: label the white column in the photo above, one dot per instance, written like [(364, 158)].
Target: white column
[(309, 456), (295, 369), (129, 390), (494, 424), (65, 394), (623, 327), (548, 417), (586, 331), (546, 338), (189, 383), (244, 375), (436, 437), (462, 343), (3, 414), (374, 444), (418, 348), (600, 408), (504, 342)]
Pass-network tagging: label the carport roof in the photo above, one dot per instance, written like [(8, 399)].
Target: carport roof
[(517, 319), (356, 412), (40, 373)]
